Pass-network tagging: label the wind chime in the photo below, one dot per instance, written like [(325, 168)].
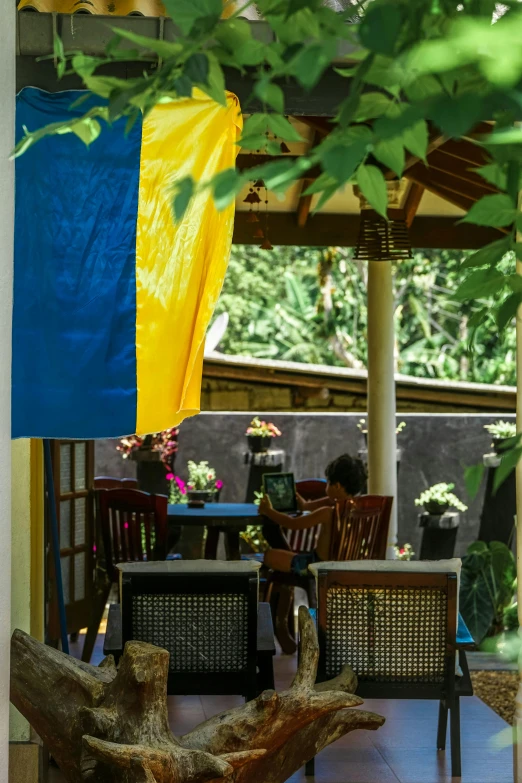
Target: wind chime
[(254, 198), (380, 239)]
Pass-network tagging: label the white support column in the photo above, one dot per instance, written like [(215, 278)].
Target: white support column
[(7, 121), (382, 437)]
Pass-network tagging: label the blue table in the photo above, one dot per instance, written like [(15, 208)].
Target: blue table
[(229, 518)]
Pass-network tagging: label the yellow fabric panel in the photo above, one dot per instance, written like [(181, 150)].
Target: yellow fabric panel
[(109, 7), (180, 268)]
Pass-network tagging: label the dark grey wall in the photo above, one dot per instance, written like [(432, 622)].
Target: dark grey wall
[(434, 448)]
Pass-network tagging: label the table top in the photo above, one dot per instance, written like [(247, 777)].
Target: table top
[(225, 512)]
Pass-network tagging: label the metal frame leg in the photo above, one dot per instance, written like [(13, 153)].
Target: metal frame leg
[(310, 768), (442, 728), (455, 737)]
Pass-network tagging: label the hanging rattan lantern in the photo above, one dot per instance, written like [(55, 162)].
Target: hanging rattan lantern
[(380, 239)]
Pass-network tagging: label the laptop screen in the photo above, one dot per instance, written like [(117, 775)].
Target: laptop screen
[(280, 488)]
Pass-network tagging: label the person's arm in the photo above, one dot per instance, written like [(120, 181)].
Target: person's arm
[(312, 505), (320, 516)]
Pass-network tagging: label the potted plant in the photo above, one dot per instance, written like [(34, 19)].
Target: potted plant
[(501, 432), (404, 552), (438, 498), (154, 455), (363, 429), (259, 435), (202, 484)]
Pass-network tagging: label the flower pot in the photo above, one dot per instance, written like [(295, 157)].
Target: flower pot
[(258, 443), (436, 509), (196, 498)]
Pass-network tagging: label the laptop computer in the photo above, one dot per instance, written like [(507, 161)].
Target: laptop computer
[(280, 488)]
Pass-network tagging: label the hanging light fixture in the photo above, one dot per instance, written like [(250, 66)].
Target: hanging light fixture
[(380, 239)]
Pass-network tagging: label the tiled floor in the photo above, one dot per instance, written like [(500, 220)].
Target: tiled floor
[(401, 751)]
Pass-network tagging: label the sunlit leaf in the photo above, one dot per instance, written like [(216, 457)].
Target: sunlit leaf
[(372, 104), (282, 128), (493, 174), (373, 187), (215, 86), (226, 185), (309, 64), (493, 210), (233, 33), (87, 130)]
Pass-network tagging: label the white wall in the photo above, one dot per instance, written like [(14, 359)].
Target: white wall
[(7, 110)]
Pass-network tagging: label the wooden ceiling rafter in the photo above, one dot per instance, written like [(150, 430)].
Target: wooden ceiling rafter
[(412, 202)]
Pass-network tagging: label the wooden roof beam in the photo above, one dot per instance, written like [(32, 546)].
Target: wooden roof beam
[(411, 204)]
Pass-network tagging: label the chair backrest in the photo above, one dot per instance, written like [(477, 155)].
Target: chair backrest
[(362, 531), (306, 540), (133, 526), (311, 489), (203, 612), (108, 482), (390, 626)]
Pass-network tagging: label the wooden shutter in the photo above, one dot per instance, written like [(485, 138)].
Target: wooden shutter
[(73, 469)]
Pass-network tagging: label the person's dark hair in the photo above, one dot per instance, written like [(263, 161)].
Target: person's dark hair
[(349, 472)]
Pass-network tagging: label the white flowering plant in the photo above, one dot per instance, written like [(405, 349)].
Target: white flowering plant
[(440, 495), (404, 552)]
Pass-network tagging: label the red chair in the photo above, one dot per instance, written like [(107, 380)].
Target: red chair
[(108, 482)]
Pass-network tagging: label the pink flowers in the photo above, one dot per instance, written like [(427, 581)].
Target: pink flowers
[(181, 485), (170, 476), (165, 443), (219, 484), (262, 429)]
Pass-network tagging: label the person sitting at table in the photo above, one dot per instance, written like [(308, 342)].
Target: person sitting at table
[(346, 478)]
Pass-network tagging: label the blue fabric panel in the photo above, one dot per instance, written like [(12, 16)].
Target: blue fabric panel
[(74, 317)]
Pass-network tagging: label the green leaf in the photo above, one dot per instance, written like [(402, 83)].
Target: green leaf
[(373, 187), (380, 28), (456, 115), (508, 463), (251, 53), (164, 49), (340, 161), (197, 68), (325, 196), (508, 310), (234, 33), (391, 153), (495, 210), (84, 65), (271, 94), (371, 105), (215, 87), (323, 182), (473, 476), (87, 130), (184, 190), (226, 185), (493, 174), (185, 13), (415, 139), (310, 62), (282, 128), (490, 254), (483, 282)]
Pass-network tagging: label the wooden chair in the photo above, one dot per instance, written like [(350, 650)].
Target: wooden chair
[(206, 614), (360, 535), (133, 526), (108, 482), (130, 525), (395, 624)]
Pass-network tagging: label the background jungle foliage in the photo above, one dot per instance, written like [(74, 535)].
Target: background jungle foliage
[(309, 305)]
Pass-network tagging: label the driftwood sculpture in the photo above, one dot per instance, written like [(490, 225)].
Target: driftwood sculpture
[(104, 724)]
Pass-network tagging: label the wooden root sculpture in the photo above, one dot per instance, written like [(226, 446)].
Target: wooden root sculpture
[(106, 725)]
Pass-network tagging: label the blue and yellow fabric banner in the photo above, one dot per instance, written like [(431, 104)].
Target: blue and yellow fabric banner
[(112, 298)]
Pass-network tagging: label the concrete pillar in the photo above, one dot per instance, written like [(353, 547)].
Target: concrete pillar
[(382, 438), (7, 120)]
